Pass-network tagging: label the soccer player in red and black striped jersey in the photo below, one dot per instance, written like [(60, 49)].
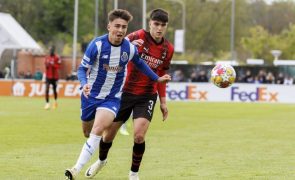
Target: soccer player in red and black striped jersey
[(139, 92), (52, 64)]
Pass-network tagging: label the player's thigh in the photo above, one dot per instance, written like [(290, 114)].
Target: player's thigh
[(144, 107), (103, 120), (111, 132), (54, 83), (126, 107)]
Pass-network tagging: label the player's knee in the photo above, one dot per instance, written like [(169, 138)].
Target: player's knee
[(97, 130), (138, 138), (108, 137)]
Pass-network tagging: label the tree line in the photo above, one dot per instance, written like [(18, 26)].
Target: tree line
[(259, 27)]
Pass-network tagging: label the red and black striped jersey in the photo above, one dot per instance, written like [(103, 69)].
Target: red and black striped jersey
[(52, 64), (157, 56)]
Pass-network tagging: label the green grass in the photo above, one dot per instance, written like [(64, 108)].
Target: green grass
[(198, 141)]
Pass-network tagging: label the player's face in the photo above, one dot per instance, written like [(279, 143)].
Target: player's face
[(117, 30), (158, 29)]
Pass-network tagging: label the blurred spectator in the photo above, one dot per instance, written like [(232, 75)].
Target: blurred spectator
[(6, 72), (28, 75), (21, 75), (193, 77), (178, 76), (1, 74), (280, 79), (288, 80), (72, 76), (38, 75), (202, 77), (270, 78), (248, 78), (261, 77)]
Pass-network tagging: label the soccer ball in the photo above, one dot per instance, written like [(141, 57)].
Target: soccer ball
[(223, 75)]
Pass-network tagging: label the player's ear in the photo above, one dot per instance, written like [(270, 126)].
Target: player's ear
[(108, 26)]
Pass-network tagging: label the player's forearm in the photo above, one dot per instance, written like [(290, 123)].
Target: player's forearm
[(162, 100), (146, 70), (82, 75)]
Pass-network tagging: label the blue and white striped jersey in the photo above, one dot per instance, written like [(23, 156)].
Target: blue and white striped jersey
[(108, 67)]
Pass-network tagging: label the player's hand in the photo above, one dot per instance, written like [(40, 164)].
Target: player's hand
[(137, 42), (164, 78), (164, 111), (86, 90)]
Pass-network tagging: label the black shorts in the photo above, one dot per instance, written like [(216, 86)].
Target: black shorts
[(51, 81), (142, 106)]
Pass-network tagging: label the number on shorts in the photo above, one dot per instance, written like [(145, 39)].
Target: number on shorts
[(151, 104)]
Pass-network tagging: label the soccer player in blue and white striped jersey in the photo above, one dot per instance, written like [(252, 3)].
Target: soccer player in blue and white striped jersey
[(102, 74)]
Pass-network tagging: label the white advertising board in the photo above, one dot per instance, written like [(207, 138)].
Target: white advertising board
[(207, 92)]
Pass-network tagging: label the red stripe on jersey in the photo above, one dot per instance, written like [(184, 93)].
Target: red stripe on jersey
[(52, 64)]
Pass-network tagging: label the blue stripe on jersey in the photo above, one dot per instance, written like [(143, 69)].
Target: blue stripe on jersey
[(120, 79)]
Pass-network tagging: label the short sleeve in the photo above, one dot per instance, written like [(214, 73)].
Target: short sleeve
[(90, 53)]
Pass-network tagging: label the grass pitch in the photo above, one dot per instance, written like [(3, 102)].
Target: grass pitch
[(198, 141)]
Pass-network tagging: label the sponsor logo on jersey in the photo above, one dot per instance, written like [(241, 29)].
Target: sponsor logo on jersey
[(112, 68), (151, 61)]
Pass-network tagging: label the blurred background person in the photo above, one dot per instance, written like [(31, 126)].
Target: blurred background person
[(6, 72), (28, 75), (288, 80), (202, 77), (261, 77), (280, 78), (248, 78), (270, 78), (38, 75), (178, 76), (52, 64)]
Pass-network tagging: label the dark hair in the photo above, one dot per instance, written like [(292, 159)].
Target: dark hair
[(159, 15), (52, 50), (120, 13)]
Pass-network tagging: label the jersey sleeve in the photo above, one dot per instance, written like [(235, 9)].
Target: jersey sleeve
[(142, 66), (90, 54), (87, 60)]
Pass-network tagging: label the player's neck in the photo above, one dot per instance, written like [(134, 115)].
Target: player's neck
[(157, 40), (113, 42)]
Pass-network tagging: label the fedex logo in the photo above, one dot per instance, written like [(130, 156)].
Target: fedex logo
[(261, 94), (188, 93)]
